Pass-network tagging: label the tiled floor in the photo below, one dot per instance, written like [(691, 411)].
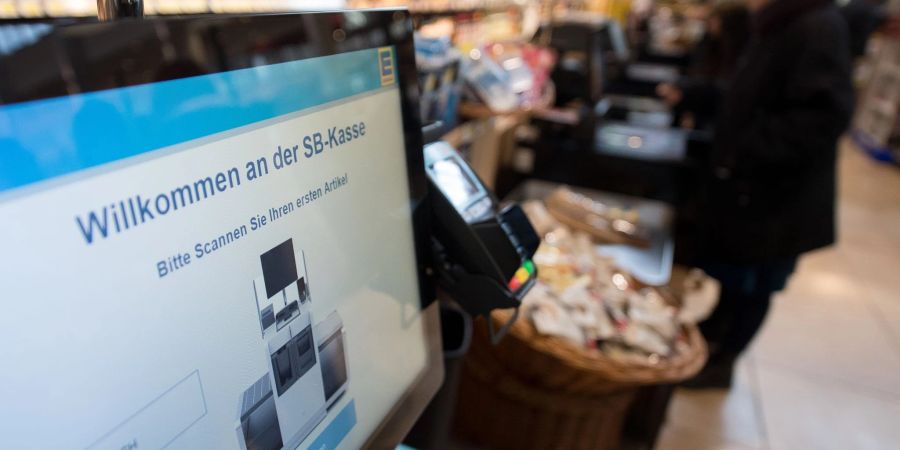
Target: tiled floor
[(825, 371)]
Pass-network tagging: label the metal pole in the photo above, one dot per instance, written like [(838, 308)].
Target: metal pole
[(108, 10)]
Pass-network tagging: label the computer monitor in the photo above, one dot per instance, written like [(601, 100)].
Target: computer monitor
[(279, 267), (213, 234)]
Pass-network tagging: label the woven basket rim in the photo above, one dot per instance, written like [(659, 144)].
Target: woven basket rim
[(595, 363)]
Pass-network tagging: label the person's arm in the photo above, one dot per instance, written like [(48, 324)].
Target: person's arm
[(700, 96), (819, 104)]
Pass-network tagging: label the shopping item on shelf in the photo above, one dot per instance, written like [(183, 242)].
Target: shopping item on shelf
[(508, 77), (489, 83), (438, 64)]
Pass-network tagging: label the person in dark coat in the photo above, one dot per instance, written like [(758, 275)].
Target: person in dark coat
[(771, 190), (696, 96)]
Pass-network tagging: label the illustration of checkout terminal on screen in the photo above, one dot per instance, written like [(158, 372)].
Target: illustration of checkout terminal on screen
[(307, 360)]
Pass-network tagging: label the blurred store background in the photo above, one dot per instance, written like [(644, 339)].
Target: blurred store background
[(578, 109)]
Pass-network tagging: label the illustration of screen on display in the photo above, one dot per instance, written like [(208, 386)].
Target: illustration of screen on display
[(229, 220)]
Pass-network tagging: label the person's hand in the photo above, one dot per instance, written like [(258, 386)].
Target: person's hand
[(669, 93)]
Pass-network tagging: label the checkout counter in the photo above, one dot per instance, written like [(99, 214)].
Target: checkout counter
[(623, 141)]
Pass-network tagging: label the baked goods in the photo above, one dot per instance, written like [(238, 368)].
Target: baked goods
[(585, 298), (603, 222)]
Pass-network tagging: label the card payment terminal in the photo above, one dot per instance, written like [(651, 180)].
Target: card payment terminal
[(482, 252)]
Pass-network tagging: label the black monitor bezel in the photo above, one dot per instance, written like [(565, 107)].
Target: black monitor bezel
[(396, 25), (279, 267)]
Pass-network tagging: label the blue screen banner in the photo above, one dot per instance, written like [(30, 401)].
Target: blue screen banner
[(48, 138)]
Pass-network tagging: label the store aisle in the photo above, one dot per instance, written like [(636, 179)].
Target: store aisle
[(825, 371)]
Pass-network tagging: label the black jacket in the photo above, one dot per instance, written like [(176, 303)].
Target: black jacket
[(771, 190), (863, 18), (712, 63)]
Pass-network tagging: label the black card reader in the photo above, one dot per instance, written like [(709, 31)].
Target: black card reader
[(482, 251)]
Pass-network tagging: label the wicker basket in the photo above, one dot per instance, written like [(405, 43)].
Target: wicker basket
[(540, 392), (557, 364)]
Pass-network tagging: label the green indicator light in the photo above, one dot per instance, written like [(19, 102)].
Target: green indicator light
[(529, 266)]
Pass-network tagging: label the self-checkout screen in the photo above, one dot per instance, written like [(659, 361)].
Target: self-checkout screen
[(224, 261)]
